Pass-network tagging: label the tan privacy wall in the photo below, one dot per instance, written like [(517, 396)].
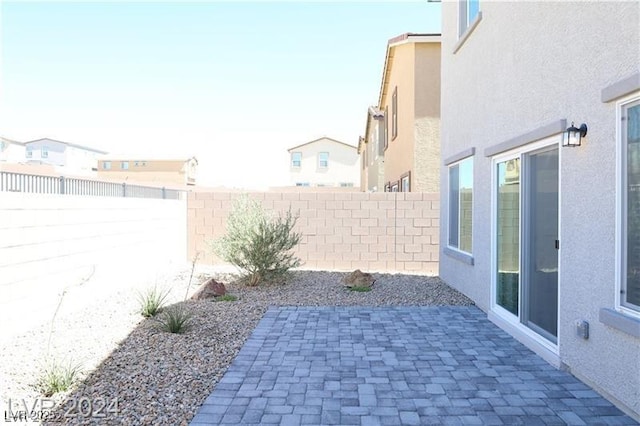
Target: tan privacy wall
[(341, 231)]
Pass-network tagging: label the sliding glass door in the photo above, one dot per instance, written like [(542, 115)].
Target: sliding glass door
[(526, 249)]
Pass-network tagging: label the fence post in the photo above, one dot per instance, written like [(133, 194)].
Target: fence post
[(62, 188), (164, 193), (124, 189)]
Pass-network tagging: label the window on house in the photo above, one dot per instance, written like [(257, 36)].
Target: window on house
[(387, 187), (469, 10), (44, 152), (29, 152), (630, 286), (405, 182), (3, 145), (124, 165), (394, 114), (461, 205), (296, 159), (395, 187), (106, 165), (323, 160), (346, 184), (302, 183), (386, 128)]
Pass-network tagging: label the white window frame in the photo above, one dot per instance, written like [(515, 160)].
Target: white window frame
[(320, 161), (29, 152), (621, 208), (106, 165), (124, 165), (44, 152), (449, 212), (293, 161)]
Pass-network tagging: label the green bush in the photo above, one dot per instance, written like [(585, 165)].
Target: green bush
[(257, 243), (175, 319), (57, 376), (151, 301)]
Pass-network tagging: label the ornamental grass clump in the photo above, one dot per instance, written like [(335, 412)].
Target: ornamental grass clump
[(58, 376), (152, 301), (257, 243), (175, 319)]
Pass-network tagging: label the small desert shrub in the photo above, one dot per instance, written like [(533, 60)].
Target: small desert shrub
[(175, 319), (151, 301), (57, 376), (257, 243), (360, 289), (226, 298)]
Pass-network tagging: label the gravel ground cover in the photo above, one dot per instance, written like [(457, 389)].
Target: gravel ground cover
[(162, 378)]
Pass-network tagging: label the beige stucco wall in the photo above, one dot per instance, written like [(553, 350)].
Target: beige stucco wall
[(375, 156), (344, 164), (426, 168), (341, 231), (398, 158), (528, 64)]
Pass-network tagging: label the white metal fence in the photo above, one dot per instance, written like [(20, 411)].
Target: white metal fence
[(21, 182)]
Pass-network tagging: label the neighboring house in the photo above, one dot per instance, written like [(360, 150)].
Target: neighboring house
[(543, 237), (162, 172), (66, 157), (371, 150), (410, 103), (324, 162), (11, 151)]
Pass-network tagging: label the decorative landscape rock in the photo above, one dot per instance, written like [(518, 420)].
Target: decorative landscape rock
[(210, 289), (359, 279)]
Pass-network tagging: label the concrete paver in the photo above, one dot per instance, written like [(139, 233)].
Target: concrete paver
[(395, 366)]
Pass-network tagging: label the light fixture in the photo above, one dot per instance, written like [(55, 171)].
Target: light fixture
[(573, 135)]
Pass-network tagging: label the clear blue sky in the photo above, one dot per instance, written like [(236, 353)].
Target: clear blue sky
[(233, 83)]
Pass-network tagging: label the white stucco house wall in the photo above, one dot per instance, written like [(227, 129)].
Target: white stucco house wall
[(11, 151), (64, 156), (324, 162), (543, 237)]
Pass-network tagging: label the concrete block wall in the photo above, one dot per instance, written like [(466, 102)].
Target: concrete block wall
[(341, 231)]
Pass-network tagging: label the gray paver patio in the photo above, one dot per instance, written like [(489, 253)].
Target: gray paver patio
[(395, 366)]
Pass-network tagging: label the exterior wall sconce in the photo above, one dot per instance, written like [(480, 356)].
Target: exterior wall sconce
[(573, 135)]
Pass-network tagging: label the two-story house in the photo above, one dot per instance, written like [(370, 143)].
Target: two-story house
[(65, 157), (324, 162), (402, 134), (149, 171), (540, 200)]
